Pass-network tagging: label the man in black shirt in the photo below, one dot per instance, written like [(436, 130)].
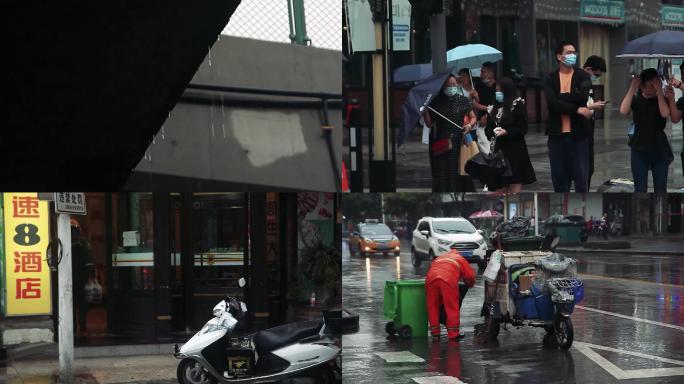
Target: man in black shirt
[(486, 91), (567, 91)]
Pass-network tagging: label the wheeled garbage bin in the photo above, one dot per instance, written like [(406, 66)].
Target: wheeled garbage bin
[(404, 305)]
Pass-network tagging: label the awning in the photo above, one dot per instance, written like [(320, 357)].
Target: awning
[(89, 84)]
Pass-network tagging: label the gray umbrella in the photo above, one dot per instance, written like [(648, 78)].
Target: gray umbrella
[(418, 97)]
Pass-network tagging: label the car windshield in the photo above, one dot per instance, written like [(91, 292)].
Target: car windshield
[(376, 230), (453, 226)]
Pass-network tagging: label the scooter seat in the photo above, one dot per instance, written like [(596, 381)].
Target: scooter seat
[(274, 338)]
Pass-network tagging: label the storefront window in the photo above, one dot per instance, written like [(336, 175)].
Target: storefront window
[(133, 257), (218, 242)]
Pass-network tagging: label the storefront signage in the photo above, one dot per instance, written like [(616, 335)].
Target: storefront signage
[(602, 11), (401, 25), (672, 16), (27, 275), (70, 202)]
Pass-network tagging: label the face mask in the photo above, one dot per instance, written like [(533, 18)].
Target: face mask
[(570, 59), (594, 77), (451, 91), (499, 96)]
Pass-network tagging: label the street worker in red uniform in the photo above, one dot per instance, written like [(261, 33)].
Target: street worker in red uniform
[(441, 287)]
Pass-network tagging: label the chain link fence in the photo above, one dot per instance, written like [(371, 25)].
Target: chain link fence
[(270, 20)]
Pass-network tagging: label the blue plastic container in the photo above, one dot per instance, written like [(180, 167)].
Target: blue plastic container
[(543, 304), (525, 308)]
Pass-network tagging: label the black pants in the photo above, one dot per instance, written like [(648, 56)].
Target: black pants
[(569, 160)]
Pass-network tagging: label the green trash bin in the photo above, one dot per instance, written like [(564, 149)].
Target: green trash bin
[(404, 305), (569, 233)]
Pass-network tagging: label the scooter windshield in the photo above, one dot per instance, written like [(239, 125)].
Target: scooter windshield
[(226, 322)]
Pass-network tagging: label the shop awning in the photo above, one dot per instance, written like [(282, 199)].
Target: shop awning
[(89, 84)]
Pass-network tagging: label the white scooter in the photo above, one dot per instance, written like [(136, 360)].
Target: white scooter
[(292, 350)]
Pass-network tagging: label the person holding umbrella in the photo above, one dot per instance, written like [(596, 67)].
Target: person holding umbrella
[(508, 123), (646, 102), (567, 92), (446, 114)]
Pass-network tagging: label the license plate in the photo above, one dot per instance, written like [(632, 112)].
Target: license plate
[(466, 253)]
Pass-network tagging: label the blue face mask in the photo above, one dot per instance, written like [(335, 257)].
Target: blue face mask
[(499, 96), (570, 59), (594, 77), (451, 91)]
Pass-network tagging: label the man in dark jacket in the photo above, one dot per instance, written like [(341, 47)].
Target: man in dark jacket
[(595, 66), (567, 92)]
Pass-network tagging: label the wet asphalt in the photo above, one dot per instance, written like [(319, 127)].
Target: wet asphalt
[(629, 328)]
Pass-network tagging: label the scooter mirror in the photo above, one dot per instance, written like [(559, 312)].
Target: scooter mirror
[(242, 282)]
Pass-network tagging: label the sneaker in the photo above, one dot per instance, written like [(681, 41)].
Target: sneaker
[(435, 338)]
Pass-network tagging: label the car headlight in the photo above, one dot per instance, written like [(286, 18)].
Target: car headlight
[(443, 242), (481, 242)]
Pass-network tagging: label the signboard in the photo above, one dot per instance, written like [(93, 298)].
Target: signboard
[(70, 202), (602, 11), (672, 16), (27, 275), (401, 25), (361, 27)]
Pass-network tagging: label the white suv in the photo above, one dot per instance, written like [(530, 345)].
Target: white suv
[(434, 236)]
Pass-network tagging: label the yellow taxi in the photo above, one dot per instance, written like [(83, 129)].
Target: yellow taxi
[(372, 237)]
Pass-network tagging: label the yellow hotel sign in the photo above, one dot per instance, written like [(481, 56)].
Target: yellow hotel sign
[(27, 275)]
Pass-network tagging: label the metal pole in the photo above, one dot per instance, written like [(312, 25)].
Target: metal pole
[(536, 215), (300, 22), (438, 42), (66, 302)]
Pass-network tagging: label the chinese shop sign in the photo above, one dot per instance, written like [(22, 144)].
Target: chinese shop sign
[(27, 275), (70, 202)]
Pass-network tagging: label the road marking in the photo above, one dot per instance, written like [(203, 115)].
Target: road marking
[(587, 350), (437, 380), (677, 327), (624, 279), (400, 357)]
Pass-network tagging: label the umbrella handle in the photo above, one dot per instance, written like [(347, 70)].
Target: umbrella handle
[(444, 117)]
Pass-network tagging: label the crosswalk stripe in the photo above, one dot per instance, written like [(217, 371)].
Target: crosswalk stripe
[(437, 380)]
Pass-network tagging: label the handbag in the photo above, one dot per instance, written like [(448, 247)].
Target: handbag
[(441, 146), (468, 150)]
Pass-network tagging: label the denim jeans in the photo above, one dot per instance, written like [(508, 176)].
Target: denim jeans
[(658, 162)]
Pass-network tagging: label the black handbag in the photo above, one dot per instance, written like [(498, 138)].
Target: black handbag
[(488, 168)]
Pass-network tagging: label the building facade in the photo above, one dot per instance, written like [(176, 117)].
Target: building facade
[(159, 262)]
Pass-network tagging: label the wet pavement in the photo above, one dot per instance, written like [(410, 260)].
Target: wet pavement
[(612, 157), (628, 328), (133, 369)]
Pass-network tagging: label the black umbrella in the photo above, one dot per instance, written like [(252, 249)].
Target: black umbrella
[(417, 99), (661, 44)]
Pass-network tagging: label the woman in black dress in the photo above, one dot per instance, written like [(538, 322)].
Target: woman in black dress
[(508, 123), (454, 106)]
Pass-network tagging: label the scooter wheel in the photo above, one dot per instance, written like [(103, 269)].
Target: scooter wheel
[(390, 328), (191, 372), (405, 331)]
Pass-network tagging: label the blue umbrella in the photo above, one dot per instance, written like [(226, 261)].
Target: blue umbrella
[(412, 72), (418, 97), (658, 45), (472, 56)]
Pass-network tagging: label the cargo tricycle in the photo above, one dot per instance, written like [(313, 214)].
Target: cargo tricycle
[(532, 288)]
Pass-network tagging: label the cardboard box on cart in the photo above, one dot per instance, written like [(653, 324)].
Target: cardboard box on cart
[(506, 305)]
